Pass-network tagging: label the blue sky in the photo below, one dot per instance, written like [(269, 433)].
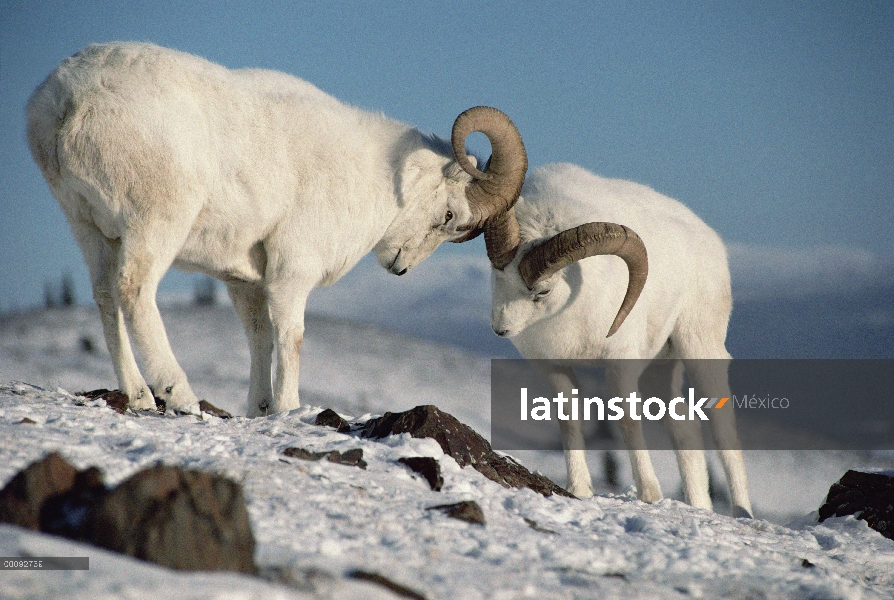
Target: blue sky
[(773, 121)]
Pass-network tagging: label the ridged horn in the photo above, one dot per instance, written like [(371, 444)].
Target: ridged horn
[(590, 239), (493, 193)]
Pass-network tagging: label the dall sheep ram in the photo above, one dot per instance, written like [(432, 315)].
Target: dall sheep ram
[(254, 177), (553, 305)]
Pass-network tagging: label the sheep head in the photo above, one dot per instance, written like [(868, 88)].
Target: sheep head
[(534, 275), (452, 200)]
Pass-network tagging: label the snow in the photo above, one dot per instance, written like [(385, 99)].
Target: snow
[(316, 523)]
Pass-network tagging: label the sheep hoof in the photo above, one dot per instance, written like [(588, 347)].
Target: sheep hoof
[(142, 400), (581, 491), (190, 409), (741, 513)]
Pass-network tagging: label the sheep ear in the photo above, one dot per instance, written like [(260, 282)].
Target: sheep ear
[(590, 239), (454, 168)]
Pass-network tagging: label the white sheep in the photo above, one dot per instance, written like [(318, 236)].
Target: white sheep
[(257, 178), (677, 307)]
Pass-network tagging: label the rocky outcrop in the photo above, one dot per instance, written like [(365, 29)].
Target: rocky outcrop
[(870, 496), (178, 518), (463, 444)]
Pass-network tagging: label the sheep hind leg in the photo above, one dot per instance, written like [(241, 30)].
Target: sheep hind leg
[(250, 303), (101, 255), (664, 379), (144, 259), (710, 379)]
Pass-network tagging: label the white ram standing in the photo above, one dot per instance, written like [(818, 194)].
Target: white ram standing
[(161, 158), (553, 305)]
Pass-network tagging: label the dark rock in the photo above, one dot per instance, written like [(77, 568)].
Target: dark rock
[(869, 494), (115, 399), (461, 443), (303, 454), (533, 525), (427, 467), (397, 588), (353, 457), (209, 408), (330, 418), (22, 499), (807, 564), (66, 514), (467, 510), (178, 518), (26, 421)]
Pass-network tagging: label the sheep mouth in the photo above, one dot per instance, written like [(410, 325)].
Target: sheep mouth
[(503, 333), (395, 268)]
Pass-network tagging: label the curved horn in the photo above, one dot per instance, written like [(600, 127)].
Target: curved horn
[(590, 239), (492, 194)]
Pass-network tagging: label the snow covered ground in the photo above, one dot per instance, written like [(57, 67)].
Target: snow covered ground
[(318, 522)]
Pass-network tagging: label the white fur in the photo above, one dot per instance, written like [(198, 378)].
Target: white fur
[(160, 158), (681, 315)]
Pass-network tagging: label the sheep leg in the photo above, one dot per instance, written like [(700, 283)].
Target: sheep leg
[(287, 300), (710, 379), (622, 381), (143, 261), (664, 379), (101, 256), (579, 480), (250, 303)]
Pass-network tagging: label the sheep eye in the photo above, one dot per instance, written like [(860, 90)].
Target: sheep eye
[(540, 295), (448, 217)]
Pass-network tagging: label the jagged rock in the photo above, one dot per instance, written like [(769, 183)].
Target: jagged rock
[(174, 517), (869, 494), (467, 510), (22, 499), (427, 467), (330, 418), (26, 421), (353, 457), (209, 408), (462, 443), (179, 518)]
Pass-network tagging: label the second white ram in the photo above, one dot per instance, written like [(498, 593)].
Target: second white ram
[(675, 306)]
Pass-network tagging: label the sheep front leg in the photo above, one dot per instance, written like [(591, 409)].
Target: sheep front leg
[(580, 482), (250, 303), (710, 379), (287, 302), (622, 381)]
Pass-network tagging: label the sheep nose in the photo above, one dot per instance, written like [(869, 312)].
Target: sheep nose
[(500, 332), (401, 272)]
